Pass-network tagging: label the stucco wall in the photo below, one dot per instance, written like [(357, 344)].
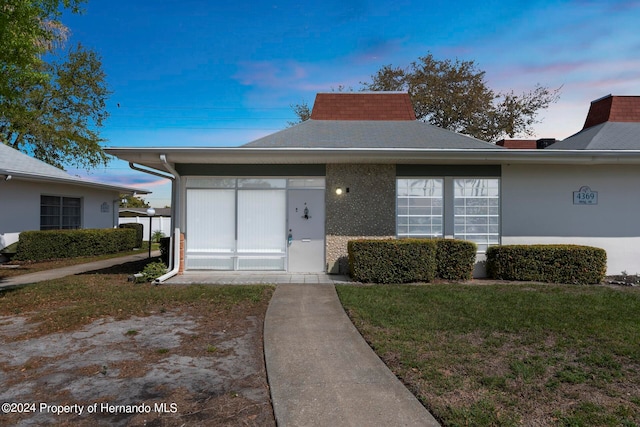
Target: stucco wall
[(21, 206), (367, 210), (537, 207)]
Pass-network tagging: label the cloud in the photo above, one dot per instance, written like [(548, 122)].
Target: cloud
[(269, 74)]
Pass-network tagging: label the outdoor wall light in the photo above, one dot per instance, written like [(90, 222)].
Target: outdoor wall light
[(339, 190)]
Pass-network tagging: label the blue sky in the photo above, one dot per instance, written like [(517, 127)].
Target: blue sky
[(201, 73)]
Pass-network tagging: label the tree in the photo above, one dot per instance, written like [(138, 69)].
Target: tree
[(454, 95), (132, 201), (57, 120), (28, 30), (51, 109), (302, 111)]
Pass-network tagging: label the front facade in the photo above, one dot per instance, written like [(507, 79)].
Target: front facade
[(292, 200), (37, 196)]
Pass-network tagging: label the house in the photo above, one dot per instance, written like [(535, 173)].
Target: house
[(38, 196), (363, 166)]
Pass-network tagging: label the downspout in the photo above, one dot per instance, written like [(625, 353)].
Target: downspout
[(174, 251), (174, 255)]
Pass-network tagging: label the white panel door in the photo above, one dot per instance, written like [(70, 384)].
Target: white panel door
[(305, 223)]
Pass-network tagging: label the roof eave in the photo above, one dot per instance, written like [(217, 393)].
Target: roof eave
[(246, 155), (82, 183)]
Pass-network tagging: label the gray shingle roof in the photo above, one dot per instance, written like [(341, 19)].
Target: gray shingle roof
[(368, 134), (13, 161), (605, 136), (20, 165)]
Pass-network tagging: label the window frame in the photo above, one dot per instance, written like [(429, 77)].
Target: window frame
[(428, 216), (61, 219), (449, 217), (488, 207)]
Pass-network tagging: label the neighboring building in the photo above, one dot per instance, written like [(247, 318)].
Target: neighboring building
[(38, 196), (518, 144), (526, 144), (362, 166)]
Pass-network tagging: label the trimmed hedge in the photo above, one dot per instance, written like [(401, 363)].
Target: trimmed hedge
[(455, 259), (139, 228), (547, 263), (53, 244), (392, 261), (411, 260)]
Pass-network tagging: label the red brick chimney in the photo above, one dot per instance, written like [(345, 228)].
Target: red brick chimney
[(363, 106), (613, 109), (518, 144)]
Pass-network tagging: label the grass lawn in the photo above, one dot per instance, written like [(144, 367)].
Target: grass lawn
[(18, 268), (66, 304), (135, 343), (525, 354)]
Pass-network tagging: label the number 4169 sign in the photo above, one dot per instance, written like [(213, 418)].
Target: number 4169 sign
[(585, 196)]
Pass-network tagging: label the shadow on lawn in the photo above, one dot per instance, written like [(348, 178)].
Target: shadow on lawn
[(132, 267)]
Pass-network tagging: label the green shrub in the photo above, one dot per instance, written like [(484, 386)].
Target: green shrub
[(152, 271), (139, 228), (455, 259), (547, 263), (156, 236), (392, 261), (53, 244)]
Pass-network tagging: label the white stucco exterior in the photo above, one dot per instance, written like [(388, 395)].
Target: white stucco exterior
[(21, 206), (538, 207)]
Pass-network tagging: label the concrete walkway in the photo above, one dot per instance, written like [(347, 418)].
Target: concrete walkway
[(321, 371), (254, 277), (57, 273)]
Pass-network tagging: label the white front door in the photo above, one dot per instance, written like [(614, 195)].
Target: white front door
[(305, 225)]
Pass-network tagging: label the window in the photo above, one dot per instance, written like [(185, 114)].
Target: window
[(239, 223), (477, 211), (60, 213), (419, 208), (464, 208)]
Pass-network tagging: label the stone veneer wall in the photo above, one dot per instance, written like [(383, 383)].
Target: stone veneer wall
[(367, 210)]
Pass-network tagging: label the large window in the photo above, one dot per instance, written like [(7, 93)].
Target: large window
[(462, 208), (60, 213), (238, 223), (420, 208), (477, 211)]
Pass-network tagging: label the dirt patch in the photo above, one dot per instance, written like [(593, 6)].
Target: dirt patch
[(174, 368)]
